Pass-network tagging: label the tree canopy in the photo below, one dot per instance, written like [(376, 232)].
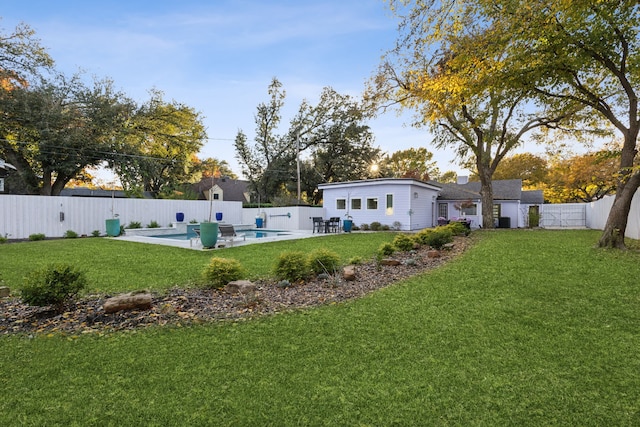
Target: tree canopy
[(158, 147), (448, 67), (323, 143), (53, 130), (54, 127)]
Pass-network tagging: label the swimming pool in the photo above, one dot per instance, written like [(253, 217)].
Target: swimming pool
[(257, 233)]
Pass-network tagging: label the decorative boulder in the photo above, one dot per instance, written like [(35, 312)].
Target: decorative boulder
[(4, 291), (433, 254), (240, 287), (390, 261), (132, 301), (349, 273)]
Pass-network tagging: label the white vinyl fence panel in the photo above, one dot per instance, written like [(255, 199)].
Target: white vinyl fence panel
[(569, 215), (21, 216)]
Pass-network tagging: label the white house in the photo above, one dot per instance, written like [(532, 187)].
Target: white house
[(409, 204), (512, 207), (403, 203)]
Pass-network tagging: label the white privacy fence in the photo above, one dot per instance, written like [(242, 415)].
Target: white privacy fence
[(597, 213), (21, 216), (567, 215), (589, 215)]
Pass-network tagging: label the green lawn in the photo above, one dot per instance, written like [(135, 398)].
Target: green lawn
[(116, 266), (527, 328)]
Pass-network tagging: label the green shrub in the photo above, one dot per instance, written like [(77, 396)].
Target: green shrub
[(386, 249), (422, 236), (375, 226), (385, 227), (364, 227), (3, 240), (221, 271), (153, 224), (439, 237), (403, 242), (397, 225), (70, 234), (36, 236), (457, 228), (95, 233), (53, 285), (292, 266), (356, 260), (324, 261), (134, 224)]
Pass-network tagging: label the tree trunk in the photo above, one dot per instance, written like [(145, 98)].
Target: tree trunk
[(486, 196), (616, 226), (628, 183)]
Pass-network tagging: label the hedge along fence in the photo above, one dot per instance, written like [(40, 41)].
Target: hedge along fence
[(21, 216)]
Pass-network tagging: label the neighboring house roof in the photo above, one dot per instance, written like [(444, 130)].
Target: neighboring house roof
[(234, 189)]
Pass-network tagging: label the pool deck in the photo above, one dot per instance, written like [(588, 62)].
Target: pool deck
[(239, 241)]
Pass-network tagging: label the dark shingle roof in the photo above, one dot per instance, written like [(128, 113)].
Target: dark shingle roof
[(234, 189), (506, 189), (532, 197)]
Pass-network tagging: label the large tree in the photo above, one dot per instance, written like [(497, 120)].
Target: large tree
[(575, 56), (530, 168), (324, 142), (21, 56), (582, 178), (416, 163), (51, 131), (583, 53), (444, 68), (159, 146)]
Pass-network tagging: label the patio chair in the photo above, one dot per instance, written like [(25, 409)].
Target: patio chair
[(227, 233), (318, 224), (334, 224), (195, 240)]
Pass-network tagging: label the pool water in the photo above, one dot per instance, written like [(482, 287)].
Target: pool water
[(249, 234)]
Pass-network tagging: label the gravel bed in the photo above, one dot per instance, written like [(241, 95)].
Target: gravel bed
[(179, 307)]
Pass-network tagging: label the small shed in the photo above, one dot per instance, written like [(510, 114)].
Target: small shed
[(401, 203)]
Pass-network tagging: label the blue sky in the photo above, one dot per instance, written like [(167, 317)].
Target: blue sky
[(219, 56)]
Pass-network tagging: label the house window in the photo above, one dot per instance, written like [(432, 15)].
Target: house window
[(356, 204), (469, 210), (216, 196), (341, 204), (372, 203), (389, 210), (443, 210), (497, 211)]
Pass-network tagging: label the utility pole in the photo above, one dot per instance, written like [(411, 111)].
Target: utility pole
[(298, 163)]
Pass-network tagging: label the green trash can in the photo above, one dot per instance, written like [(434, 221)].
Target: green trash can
[(209, 234), (113, 227), (346, 225)]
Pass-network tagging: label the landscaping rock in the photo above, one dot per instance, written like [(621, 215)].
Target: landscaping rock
[(448, 246), (131, 301), (4, 291), (433, 254), (240, 287), (390, 261), (349, 273)]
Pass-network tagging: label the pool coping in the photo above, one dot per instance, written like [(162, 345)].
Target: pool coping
[(195, 243)]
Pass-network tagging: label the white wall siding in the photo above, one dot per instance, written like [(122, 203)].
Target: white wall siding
[(284, 218), (410, 213)]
